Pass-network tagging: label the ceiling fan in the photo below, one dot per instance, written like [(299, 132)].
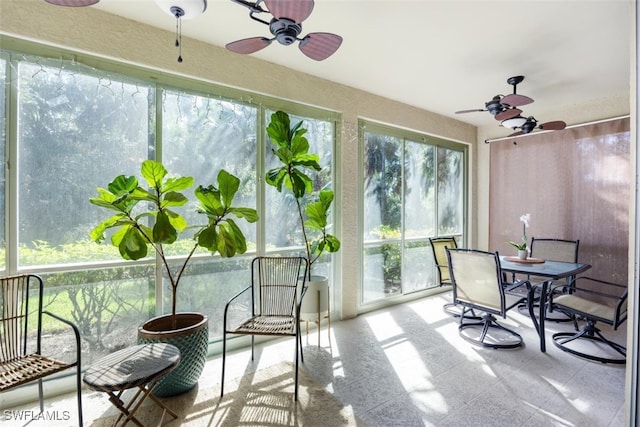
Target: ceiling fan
[(530, 124), (504, 107), (286, 26)]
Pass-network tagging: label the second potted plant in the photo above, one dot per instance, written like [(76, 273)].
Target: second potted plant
[(291, 147), (159, 224)]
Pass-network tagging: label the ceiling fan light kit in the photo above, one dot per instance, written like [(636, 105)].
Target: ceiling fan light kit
[(182, 9), (73, 3), (514, 122)]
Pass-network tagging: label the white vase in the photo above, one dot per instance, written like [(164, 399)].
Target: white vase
[(522, 253)]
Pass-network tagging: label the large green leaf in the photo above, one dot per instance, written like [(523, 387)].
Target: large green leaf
[(250, 214), (228, 186), (123, 183), (210, 203), (173, 198), (133, 245), (238, 237), (163, 230), (177, 184), (154, 172), (208, 238), (226, 242), (97, 234)]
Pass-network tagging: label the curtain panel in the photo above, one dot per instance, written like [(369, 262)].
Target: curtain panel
[(575, 183)]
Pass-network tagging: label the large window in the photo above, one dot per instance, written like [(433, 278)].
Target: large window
[(413, 190), (77, 128)]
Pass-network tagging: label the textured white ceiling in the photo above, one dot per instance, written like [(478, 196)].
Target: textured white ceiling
[(444, 55)]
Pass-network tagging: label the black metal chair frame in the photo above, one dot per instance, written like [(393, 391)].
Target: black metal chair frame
[(576, 245), (488, 319), (264, 319), (20, 362), (569, 302)]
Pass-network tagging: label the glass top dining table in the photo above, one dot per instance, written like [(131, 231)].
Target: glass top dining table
[(547, 269)]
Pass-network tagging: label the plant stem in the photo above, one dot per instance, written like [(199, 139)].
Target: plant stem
[(304, 235)]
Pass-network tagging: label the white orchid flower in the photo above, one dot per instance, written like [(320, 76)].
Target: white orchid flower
[(525, 218)]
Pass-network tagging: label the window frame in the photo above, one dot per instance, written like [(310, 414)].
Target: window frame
[(367, 125)]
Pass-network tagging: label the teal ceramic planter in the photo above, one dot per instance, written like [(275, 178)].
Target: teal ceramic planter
[(192, 339)]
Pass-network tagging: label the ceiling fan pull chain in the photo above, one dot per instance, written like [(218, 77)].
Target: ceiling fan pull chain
[(178, 12), (179, 37)]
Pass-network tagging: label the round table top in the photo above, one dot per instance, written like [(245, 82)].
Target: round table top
[(132, 367)]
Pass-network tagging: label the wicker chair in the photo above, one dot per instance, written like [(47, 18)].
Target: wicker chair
[(478, 285), (593, 301), (21, 358), (277, 287)]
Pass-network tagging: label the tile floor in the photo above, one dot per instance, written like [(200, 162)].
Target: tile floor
[(408, 366)]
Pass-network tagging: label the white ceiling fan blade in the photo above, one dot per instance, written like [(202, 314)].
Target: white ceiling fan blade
[(247, 46), (320, 46)]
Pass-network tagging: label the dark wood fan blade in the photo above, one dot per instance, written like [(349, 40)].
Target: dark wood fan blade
[(515, 134), (470, 111), (296, 10), (246, 46), (508, 114), (556, 125), (320, 46), (515, 100)]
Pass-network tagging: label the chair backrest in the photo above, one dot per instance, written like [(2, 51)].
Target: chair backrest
[(280, 283), (439, 245), (555, 249), (621, 310), (475, 276), (20, 316)]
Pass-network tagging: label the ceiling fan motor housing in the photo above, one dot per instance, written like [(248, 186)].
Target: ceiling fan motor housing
[(285, 30), (529, 125)]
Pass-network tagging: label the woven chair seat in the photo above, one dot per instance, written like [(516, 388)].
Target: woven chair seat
[(268, 325), (26, 369)]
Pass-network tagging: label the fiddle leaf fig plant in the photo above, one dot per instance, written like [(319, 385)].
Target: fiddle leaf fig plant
[(292, 149), (161, 224)]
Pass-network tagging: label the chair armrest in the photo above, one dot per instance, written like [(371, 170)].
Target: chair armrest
[(299, 305), (572, 287), (75, 329), (233, 298)]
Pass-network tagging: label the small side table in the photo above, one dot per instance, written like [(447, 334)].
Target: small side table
[(140, 366)]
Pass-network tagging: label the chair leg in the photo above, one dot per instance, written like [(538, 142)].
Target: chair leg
[(41, 395), (253, 339), (79, 388), (299, 338), (589, 332), (224, 357), (296, 373)]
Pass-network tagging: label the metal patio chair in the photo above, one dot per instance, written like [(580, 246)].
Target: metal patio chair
[(554, 250), (278, 285), (478, 285), (592, 300)]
